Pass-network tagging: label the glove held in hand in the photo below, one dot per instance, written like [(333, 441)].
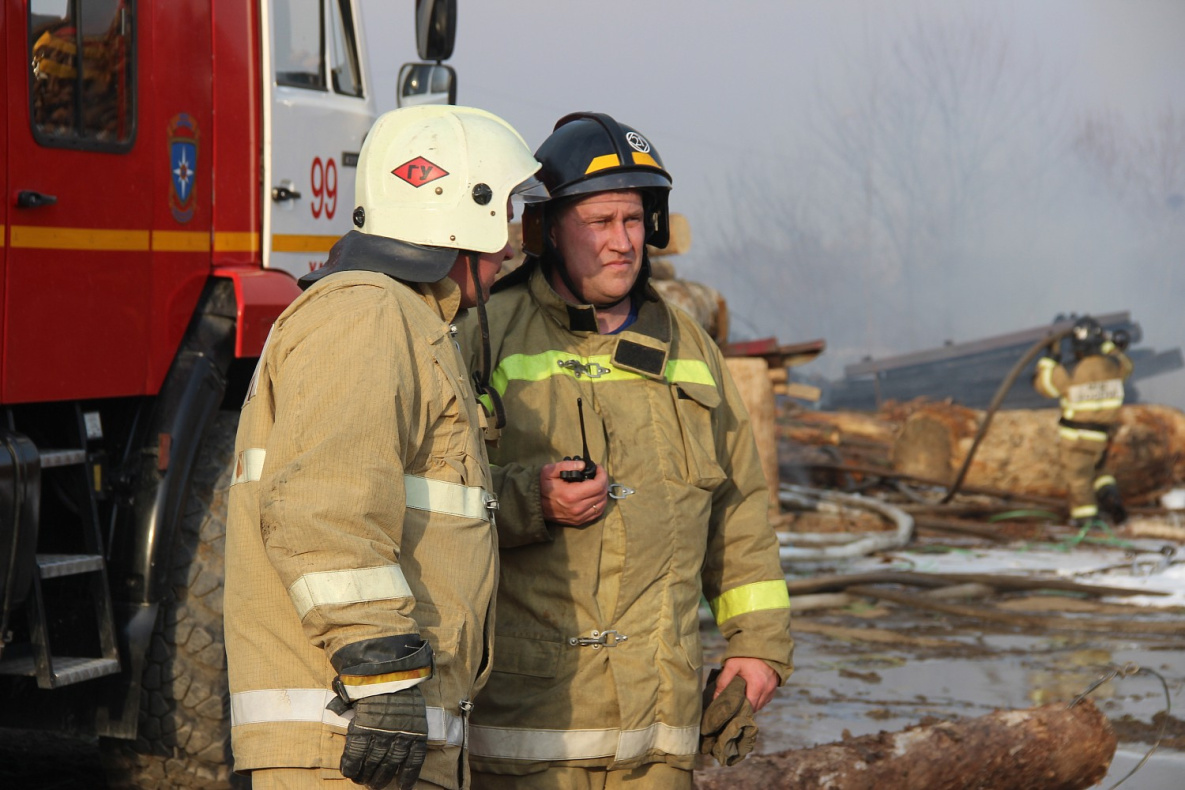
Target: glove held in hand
[(727, 730)]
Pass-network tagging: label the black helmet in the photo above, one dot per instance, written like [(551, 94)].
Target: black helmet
[(590, 152), (1087, 337)]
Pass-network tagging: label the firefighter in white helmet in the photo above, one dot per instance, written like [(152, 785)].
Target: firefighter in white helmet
[(361, 557), (596, 678)]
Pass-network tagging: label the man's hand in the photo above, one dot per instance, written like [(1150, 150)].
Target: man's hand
[(760, 679), (387, 739), (572, 504)]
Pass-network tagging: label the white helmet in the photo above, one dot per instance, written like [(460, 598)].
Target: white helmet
[(440, 176)]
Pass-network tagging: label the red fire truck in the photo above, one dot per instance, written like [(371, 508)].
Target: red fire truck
[(170, 168)]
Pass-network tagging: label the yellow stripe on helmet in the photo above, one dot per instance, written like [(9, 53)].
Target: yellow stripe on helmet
[(602, 162)]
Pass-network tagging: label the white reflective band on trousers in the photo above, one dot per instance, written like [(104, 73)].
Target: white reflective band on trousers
[(521, 744), (271, 706), (349, 586)]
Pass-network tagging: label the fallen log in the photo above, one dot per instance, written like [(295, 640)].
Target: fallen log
[(841, 582), (1091, 625), (1020, 451), (1051, 748)]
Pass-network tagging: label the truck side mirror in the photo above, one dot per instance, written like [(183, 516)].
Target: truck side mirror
[(426, 83), (436, 28)]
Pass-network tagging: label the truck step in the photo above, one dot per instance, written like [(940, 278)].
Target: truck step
[(66, 670), (53, 566), (52, 458)]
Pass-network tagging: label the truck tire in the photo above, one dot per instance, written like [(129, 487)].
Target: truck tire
[(183, 738)]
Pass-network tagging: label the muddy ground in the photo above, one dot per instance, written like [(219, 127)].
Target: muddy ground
[(867, 667)]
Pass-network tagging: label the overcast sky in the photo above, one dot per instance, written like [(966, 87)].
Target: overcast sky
[(763, 110)]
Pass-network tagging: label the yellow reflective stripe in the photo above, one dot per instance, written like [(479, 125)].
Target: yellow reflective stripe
[(1104, 480), (297, 242), (356, 585), (36, 237), (1107, 347), (1045, 367), (453, 499), (361, 686), (228, 241), (645, 159), (1092, 405), (248, 465), (180, 241), (1075, 434), (1084, 511), (595, 369), (487, 402), (692, 371), (538, 745), (602, 162), (265, 706), (754, 597)]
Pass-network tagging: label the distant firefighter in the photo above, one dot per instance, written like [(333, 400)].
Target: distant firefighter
[(1091, 392)]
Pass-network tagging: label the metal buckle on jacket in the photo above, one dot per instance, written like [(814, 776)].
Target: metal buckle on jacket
[(578, 368), (618, 491), (598, 640), (492, 503)]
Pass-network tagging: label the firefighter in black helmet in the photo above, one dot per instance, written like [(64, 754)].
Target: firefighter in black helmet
[(1091, 393), (596, 677)]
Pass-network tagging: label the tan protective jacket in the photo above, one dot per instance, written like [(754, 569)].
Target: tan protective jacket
[(689, 512), (358, 510), (1090, 395)]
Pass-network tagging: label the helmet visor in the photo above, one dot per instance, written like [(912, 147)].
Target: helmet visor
[(530, 191)]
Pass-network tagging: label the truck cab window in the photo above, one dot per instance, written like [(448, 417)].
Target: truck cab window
[(346, 74), (299, 36), (87, 101)]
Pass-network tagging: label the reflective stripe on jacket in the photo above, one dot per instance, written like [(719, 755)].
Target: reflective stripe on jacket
[(358, 511), (689, 512)]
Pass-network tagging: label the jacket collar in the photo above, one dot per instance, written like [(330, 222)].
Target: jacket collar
[(643, 347)]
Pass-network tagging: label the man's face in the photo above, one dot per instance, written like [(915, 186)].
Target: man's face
[(601, 239)]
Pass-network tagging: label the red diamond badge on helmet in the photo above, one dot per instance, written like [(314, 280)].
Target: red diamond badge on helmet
[(419, 171)]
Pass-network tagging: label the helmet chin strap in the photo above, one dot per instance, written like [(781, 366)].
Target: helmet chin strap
[(481, 376)]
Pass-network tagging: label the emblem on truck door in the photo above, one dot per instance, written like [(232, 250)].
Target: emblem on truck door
[(183, 153), (419, 171)]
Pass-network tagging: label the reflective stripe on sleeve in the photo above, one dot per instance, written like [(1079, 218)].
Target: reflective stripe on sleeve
[(381, 583), (523, 744), (1075, 434), (267, 706), (248, 465), (754, 597), (438, 496), (1045, 367), (1084, 511), (360, 686), (1104, 480)]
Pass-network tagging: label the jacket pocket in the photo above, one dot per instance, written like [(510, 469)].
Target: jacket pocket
[(517, 655), (695, 405)]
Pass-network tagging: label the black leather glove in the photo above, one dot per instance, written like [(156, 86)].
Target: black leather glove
[(387, 739)]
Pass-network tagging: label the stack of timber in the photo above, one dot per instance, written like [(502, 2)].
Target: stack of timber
[(928, 441)]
